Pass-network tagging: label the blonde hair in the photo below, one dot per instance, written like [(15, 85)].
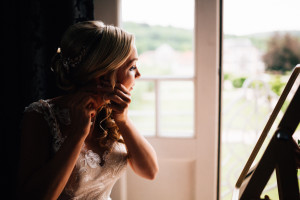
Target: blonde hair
[(90, 50)]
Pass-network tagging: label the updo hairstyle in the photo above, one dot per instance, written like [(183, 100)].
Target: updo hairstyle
[(89, 50)]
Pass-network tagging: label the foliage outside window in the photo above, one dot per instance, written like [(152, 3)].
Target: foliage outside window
[(283, 53)]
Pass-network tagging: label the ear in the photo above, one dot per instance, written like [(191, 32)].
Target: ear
[(112, 78), (107, 79)]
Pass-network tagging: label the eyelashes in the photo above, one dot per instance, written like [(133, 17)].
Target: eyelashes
[(132, 68)]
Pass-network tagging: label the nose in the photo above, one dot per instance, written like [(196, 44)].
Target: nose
[(137, 75)]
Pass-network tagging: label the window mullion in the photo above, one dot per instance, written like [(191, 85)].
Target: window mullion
[(157, 107)]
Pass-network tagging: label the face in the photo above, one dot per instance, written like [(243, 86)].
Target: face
[(128, 72)]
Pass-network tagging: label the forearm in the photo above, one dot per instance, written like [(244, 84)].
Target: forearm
[(49, 181), (142, 156)]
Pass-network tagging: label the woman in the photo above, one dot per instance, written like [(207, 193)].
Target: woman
[(77, 145)]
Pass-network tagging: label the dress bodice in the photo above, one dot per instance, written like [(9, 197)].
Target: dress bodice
[(88, 180)]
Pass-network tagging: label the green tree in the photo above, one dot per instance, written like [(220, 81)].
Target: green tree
[(283, 53), (150, 37)]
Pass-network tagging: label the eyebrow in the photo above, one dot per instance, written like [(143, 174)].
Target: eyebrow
[(132, 60)]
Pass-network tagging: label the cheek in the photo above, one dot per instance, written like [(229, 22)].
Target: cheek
[(128, 80), (121, 76)]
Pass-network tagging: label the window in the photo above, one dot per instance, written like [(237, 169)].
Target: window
[(164, 97)]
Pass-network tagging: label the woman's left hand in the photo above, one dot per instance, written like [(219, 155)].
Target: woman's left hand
[(142, 156), (120, 99)]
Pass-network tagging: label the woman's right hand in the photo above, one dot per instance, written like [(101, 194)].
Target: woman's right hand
[(83, 106)]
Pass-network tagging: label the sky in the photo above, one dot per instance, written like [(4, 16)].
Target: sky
[(240, 17), (158, 12)]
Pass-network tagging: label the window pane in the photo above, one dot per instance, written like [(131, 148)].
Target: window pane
[(164, 44), (177, 108), (165, 47), (142, 108)]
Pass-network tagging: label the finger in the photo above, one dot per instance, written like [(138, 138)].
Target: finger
[(90, 108), (98, 94), (124, 96), (122, 88), (119, 94), (115, 98), (83, 100), (91, 113), (118, 108), (93, 102)]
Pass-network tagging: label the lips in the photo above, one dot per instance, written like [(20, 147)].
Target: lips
[(131, 88)]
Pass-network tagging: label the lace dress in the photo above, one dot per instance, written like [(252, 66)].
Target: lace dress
[(89, 180)]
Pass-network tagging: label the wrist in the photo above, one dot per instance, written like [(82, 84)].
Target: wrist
[(120, 119), (123, 122)]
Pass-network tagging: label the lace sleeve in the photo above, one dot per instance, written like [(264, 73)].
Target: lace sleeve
[(34, 107), (45, 109)]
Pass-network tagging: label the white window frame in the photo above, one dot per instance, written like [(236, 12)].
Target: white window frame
[(207, 92)]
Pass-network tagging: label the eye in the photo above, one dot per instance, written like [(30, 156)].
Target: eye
[(132, 68)]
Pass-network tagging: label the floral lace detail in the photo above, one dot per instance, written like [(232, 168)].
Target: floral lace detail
[(90, 159), (43, 107)]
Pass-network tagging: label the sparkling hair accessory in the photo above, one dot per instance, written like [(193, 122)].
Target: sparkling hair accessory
[(71, 62)]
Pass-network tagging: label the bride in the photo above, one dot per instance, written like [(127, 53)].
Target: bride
[(76, 146)]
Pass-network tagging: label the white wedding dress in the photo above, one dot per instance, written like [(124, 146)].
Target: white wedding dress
[(89, 180)]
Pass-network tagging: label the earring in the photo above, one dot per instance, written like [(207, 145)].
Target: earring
[(104, 131)]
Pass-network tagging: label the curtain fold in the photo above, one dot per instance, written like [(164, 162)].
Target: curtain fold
[(32, 31)]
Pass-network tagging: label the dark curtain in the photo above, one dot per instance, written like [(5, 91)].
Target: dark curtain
[(31, 33)]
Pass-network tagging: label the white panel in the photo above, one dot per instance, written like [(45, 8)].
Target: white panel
[(174, 148), (207, 70), (175, 181)]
